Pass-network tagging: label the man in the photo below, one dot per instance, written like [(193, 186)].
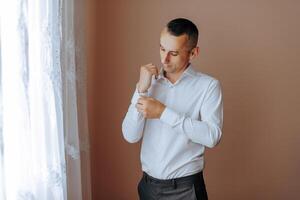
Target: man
[(177, 112)]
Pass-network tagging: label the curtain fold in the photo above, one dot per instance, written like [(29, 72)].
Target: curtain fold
[(74, 87), (44, 144)]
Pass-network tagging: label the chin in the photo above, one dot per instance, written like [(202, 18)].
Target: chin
[(167, 67)]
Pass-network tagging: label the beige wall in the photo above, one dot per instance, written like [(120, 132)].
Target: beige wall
[(252, 47)]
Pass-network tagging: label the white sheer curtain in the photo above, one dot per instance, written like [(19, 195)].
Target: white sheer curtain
[(75, 105), (44, 144)]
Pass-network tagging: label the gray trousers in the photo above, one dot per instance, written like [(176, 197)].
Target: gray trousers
[(185, 188)]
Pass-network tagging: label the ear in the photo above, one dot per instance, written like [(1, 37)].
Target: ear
[(195, 52)]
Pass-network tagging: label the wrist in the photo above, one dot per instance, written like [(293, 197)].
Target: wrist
[(140, 89)]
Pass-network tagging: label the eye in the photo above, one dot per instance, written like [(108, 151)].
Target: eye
[(174, 53), (162, 49)]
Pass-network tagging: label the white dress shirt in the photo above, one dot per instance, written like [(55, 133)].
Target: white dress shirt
[(173, 145)]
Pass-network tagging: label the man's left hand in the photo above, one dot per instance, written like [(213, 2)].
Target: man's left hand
[(150, 107)]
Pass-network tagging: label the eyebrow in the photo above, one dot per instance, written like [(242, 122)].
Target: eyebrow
[(173, 51)]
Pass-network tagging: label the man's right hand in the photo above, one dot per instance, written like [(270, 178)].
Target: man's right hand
[(146, 73)]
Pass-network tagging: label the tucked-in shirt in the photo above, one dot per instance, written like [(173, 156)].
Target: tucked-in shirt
[(173, 145)]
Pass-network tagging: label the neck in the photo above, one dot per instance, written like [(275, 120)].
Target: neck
[(173, 77)]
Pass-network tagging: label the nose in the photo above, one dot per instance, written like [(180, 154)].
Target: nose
[(165, 58)]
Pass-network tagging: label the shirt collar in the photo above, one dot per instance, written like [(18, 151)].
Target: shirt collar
[(188, 71)]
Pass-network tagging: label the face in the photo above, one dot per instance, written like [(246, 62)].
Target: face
[(174, 52)]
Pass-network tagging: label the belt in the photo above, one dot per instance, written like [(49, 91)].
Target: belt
[(173, 182)]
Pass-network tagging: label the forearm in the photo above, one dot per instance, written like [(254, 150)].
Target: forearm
[(207, 133), (205, 130), (133, 123)]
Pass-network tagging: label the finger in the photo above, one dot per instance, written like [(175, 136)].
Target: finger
[(142, 99), (147, 66), (138, 102), (153, 71), (150, 66), (144, 114), (140, 110), (157, 72), (138, 106)]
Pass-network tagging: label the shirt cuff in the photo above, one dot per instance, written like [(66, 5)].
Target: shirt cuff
[(137, 95), (170, 117)]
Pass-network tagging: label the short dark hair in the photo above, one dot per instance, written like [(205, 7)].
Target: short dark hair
[(181, 26)]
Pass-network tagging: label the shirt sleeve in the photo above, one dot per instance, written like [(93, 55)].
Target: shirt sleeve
[(206, 131), (133, 123)]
